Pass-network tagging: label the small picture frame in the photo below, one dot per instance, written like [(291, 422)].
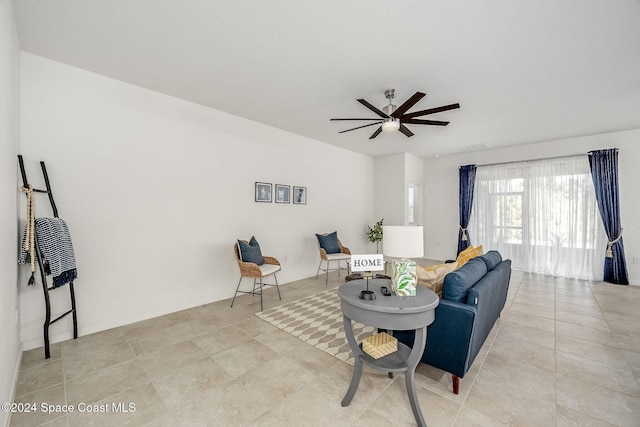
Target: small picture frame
[(263, 192), (299, 195), (283, 193)]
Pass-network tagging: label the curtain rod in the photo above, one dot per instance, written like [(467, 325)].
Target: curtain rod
[(533, 160)]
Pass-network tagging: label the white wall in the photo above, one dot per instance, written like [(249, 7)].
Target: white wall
[(441, 188), (156, 190), (393, 173), (10, 351)]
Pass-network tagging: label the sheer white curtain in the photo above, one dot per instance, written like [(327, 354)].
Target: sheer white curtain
[(542, 215)]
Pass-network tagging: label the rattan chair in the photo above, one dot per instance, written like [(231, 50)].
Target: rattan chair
[(343, 255), (257, 273)]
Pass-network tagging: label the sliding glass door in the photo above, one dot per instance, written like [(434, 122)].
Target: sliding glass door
[(542, 215)]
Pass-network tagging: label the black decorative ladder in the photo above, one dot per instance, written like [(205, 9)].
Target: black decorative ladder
[(47, 320)]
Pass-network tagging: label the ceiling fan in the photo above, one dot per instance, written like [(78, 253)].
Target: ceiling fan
[(392, 117)]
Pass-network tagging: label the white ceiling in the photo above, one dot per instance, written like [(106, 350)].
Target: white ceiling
[(522, 71)]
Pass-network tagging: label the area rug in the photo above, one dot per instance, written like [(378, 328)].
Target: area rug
[(317, 320)]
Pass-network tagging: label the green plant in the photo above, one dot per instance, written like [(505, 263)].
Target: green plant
[(374, 234)]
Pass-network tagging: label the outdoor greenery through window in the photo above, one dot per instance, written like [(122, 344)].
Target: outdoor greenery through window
[(540, 214)]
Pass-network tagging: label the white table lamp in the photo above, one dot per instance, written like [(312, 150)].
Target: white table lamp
[(404, 243)]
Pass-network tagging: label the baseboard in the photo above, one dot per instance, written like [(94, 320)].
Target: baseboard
[(14, 382)]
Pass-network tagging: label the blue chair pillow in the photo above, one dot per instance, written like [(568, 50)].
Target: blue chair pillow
[(329, 242), (250, 252)]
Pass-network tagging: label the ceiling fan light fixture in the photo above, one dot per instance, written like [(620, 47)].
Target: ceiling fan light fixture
[(391, 125)]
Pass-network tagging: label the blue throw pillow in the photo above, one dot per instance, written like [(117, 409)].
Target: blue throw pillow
[(250, 252), (457, 283), (329, 242), (491, 259)]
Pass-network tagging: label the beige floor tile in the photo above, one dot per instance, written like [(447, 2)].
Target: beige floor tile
[(186, 384), (579, 309), (470, 418), (540, 338), (163, 338), (607, 375), (89, 360), (105, 382), (585, 333), (633, 359), (535, 301), (508, 349), (534, 310), (38, 377), (280, 341), (583, 320), (137, 406), (588, 350), (33, 357), (244, 357), (90, 342), (36, 413), (254, 326), (566, 417), (221, 339), (600, 403), (527, 319), (167, 360)]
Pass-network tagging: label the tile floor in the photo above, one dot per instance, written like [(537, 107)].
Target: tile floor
[(564, 353)]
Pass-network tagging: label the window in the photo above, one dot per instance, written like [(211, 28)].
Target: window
[(540, 214)]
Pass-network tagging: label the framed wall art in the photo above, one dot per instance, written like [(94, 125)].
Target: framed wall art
[(283, 193), (300, 195), (263, 192)]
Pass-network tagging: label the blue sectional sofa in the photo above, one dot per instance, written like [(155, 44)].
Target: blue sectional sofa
[(472, 298)]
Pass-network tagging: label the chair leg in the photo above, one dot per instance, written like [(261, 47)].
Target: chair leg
[(318, 272), (234, 295), (261, 290), (326, 276), (277, 286)]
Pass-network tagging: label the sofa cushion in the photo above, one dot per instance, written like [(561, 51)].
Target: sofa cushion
[(433, 276), (250, 252), (491, 259), (329, 242), (457, 283)]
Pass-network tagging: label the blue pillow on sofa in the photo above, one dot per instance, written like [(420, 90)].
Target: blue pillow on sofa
[(250, 252), (329, 242), (457, 283), (491, 259)]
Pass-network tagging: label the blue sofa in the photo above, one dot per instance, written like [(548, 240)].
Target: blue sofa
[(472, 298)]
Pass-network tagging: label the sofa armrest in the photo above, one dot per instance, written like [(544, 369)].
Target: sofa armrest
[(448, 337)]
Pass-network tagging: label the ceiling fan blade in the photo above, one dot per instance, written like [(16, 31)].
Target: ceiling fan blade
[(430, 111), (376, 133), (425, 122), (360, 127), (405, 130), (333, 120), (372, 108), (408, 104)]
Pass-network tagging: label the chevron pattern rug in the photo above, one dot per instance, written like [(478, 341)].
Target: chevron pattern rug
[(317, 320)]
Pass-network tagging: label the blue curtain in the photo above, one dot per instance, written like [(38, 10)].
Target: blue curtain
[(604, 172), (465, 201)]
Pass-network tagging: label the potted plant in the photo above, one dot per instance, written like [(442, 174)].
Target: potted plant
[(374, 234)]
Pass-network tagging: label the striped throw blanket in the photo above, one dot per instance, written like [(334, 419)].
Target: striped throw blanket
[(54, 241)]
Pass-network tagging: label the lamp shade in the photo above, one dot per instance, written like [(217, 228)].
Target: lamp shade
[(403, 241)]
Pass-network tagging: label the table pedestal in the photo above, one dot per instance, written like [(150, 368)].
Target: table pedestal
[(388, 312)]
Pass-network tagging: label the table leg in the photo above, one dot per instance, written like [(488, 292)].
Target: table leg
[(409, 375), (357, 366)]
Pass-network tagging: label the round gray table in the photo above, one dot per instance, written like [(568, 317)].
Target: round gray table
[(391, 313)]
